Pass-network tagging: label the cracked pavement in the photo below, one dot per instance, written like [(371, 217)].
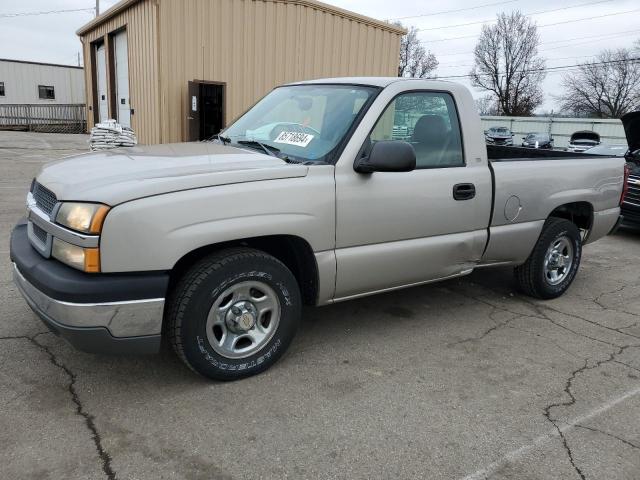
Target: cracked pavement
[(461, 379)]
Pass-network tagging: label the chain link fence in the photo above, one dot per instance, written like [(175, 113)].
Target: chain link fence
[(67, 118)]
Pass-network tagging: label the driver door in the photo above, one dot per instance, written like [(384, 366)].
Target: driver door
[(396, 229)]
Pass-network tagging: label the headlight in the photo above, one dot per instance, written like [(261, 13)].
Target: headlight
[(85, 259), (82, 217)]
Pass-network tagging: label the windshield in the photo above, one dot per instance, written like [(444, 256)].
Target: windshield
[(301, 122), (499, 131)]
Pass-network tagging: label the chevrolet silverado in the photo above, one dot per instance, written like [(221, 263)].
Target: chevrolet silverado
[(308, 198)]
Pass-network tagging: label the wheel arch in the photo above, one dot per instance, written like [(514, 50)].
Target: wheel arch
[(579, 213), (293, 251)]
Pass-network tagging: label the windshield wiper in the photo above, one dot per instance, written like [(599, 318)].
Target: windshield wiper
[(268, 149)]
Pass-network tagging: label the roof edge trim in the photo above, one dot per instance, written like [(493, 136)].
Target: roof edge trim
[(124, 4)]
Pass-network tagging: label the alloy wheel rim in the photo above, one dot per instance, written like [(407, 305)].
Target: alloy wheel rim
[(243, 319), (558, 260)]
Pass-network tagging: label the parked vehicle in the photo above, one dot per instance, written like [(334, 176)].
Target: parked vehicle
[(498, 136), (631, 201), (537, 140), (217, 245), (583, 140)]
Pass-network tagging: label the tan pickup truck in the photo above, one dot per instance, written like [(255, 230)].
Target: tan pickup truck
[(322, 192)]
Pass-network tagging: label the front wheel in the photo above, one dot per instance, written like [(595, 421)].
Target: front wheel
[(234, 313), (554, 261)]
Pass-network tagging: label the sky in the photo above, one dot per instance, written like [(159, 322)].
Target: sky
[(568, 35)]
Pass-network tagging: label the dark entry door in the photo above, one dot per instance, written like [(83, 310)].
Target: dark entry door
[(211, 112), (205, 110), (193, 109)]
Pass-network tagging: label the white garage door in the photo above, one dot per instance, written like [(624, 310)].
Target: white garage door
[(122, 78), (101, 81)]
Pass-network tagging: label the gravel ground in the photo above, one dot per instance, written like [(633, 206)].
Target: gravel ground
[(462, 379)]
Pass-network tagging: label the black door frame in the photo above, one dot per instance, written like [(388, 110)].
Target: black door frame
[(224, 102)]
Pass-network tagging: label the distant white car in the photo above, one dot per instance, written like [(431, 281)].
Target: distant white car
[(583, 140)]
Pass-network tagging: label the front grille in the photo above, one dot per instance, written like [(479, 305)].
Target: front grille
[(40, 233), (633, 189), (631, 214), (45, 199)]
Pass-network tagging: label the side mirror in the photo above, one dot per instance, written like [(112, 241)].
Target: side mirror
[(388, 156)]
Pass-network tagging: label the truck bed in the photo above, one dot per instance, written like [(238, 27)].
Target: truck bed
[(497, 153), (529, 185)]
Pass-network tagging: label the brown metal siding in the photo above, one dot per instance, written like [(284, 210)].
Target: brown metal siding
[(250, 45), (141, 22)]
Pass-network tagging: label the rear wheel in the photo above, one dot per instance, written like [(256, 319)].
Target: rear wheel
[(234, 313), (554, 261)]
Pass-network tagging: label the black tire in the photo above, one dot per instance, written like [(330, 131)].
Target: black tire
[(531, 276), (198, 289)]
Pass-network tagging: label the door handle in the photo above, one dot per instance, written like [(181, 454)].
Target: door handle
[(464, 191)]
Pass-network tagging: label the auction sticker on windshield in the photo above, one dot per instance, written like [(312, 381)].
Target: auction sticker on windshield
[(298, 139)]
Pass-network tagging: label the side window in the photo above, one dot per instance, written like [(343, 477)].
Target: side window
[(46, 92), (1, 89), (427, 120)]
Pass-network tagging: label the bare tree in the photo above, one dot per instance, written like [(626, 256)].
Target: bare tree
[(507, 64), (415, 60), (607, 87), (487, 105)]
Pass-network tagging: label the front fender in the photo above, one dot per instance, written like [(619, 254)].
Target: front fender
[(153, 233)]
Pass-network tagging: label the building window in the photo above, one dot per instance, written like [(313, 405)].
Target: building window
[(1, 89), (46, 93)]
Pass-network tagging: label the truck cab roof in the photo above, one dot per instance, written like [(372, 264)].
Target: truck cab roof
[(377, 81)]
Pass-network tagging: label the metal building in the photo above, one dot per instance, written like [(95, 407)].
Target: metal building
[(23, 82), (41, 97), (179, 70)]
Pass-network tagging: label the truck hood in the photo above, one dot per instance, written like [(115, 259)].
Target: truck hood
[(123, 174), (631, 123)]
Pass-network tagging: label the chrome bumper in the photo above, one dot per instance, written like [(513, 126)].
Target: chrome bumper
[(112, 327)]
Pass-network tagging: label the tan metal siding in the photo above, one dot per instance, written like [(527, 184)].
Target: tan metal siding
[(254, 45), (250, 45), (141, 22)]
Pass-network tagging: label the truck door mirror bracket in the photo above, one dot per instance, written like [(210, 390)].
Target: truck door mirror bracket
[(387, 156)]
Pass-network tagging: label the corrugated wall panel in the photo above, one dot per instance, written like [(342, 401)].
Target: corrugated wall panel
[(254, 45), (141, 22), (21, 80)]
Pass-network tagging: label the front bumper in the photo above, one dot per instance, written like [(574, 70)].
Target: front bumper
[(99, 313)]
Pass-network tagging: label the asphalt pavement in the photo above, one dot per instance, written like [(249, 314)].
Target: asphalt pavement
[(465, 379)]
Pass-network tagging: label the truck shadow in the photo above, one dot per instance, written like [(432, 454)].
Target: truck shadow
[(629, 231), (374, 321)]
